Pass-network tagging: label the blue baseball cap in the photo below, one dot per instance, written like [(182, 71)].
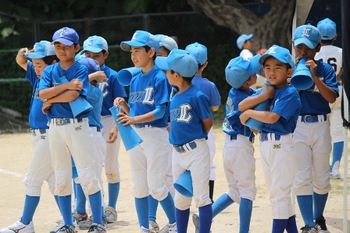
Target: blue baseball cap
[(180, 61), (308, 35), (90, 63), (66, 35), (327, 28), (199, 51), (278, 52), (239, 69), (140, 39), (243, 38), (166, 41), (41, 49), (95, 44)]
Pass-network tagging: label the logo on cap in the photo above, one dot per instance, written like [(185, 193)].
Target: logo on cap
[(306, 32)]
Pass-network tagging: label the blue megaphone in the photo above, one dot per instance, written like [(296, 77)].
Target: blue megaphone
[(129, 137), (253, 123), (302, 78), (80, 106), (125, 75), (184, 184)]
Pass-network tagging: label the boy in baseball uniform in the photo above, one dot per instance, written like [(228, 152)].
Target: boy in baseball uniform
[(238, 152), (166, 44), (199, 51), (96, 47), (333, 56), (276, 145), (34, 61), (190, 122), (312, 135), (146, 111), (70, 135)]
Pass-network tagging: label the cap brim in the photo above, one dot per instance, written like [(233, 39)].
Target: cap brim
[(307, 42), (126, 45), (92, 49), (34, 56), (250, 36), (162, 63), (63, 41), (255, 64)]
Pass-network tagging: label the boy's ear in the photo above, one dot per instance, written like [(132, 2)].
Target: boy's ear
[(290, 72), (77, 48), (318, 47), (105, 55)]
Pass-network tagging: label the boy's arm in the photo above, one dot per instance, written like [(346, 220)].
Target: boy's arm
[(215, 108), (65, 97), (98, 76), (21, 60), (51, 92), (252, 101), (207, 124), (262, 116)]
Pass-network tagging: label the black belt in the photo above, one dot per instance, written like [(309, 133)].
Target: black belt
[(185, 147), (142, 126), (65, 121), (234, 137), (312, 118), (269, 136), (98, 129), (42, 131)]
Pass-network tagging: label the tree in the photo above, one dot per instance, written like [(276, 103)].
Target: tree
[(272, 28)]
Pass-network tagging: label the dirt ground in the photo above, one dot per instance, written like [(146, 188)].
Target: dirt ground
[(16, 152)]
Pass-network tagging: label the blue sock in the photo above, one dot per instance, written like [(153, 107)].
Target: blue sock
[(338, 148), (96, 203), (182, 217), (30, 204), (169, 208), (291, 226), (80, 206), (152, 208), (278, 225), (319, 204), (141, 205), (65, 203), (221, 203), (245, 214), (305, 206), (113, 193), (57, 202), (205, 218)]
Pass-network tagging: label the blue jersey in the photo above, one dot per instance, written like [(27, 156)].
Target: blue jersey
[(312, 101), (232, 124), (52, 76), (285, 103), (37, 119), (208, 88), (187, 110), (146, 92), (95, 99), (110, 89)]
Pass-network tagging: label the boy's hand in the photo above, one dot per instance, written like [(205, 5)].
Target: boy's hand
[(119, 101), (269, 91), (313, 67), (244, 117), (100, 76), (126, 119), (75, 84), (46, 107), (113, 135)]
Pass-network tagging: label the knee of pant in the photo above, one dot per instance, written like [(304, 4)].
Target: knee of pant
[(322, 189), (140, 191), (89, 181), (63, 183), (32, 185), (202, 201), (112, 177), (51, 183), (182, 202), (159, 193)]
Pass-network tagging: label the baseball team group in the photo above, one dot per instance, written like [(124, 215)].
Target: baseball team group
[(296, 115)]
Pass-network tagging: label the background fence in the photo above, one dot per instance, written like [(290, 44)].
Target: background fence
[(185, 27)]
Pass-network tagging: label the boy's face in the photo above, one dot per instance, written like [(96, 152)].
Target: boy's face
[(163, 52), (172, 77), (39, 66), (302, 50), (66, 53), (276, 72), (99, 57), (140, 57)]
